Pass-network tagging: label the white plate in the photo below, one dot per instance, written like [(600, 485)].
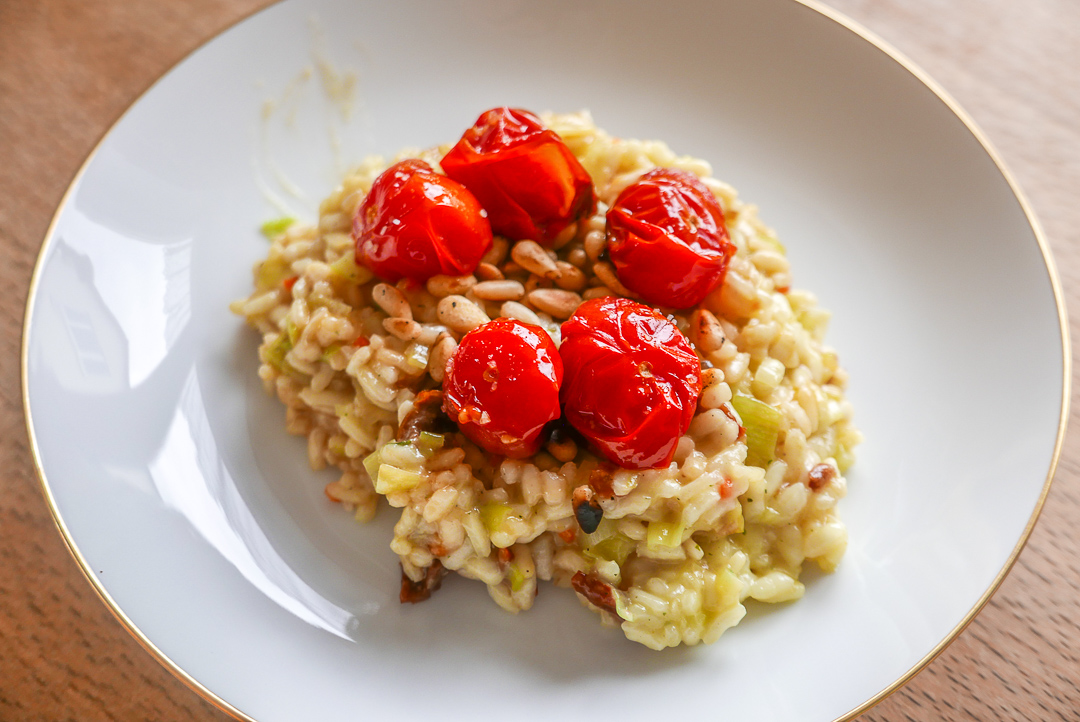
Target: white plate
[(195, 516)]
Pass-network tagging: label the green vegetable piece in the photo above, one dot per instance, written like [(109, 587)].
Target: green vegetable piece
[(622, 606), (416, 355), (392, 479), (428, 443), (371, 464), (346, 269), (615, 548), (664, 534), (275, 353), (494, 515), (517, 577), (330, 351), (762, 424), (274, 228)]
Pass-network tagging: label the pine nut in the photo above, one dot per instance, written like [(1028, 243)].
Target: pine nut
[(555, 301), (519, 311), (596, 292), (392, 301), (488, 272), (497, 253), (460, 314), (565, 236), (440, 353), (595, 243), (531, 256), (570, 277), (498, 290), (705, 331), (442, 286), (404, 328), (606, 273)]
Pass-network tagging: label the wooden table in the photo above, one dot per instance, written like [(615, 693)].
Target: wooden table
[(69, 68)]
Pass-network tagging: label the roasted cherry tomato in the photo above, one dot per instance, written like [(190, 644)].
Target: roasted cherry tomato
[(502, 386), (417, 224), (667, 238), (632, 381), (523, 174)]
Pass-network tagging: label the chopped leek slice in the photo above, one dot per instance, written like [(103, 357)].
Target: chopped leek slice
[(275, 353), (274, 228), (371, 464), (428, 443), (517, 577), (416, 356), (615, 548), (330, 351), (494, 515), (762, 424), (293, 331), (622, 606), (346, 269), (393, 479), (664, 534)]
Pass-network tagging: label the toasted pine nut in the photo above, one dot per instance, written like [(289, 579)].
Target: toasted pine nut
[(449, 285), (578, 257), (461, 314), (404, 328), (513, 309), (498, 290), (557, 302), (534, 282), (596, 292), (595, 243), (440, 353), (488, 272), (564, 450), (565, 236), (531, 256), (606, 274), (570, 277), (705, 331), (497, 253), (391, 300), (714, 392)]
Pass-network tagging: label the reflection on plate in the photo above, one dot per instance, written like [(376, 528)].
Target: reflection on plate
[(195, 516)]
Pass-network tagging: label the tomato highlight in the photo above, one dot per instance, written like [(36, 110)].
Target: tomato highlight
[(415, 223), (632, 381), (502, 386), (667, 238), (523, 174)]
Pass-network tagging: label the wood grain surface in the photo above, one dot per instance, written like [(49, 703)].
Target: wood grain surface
[(69, 68)]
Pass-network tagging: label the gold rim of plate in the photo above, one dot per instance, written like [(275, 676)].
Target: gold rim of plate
[(814, 5)]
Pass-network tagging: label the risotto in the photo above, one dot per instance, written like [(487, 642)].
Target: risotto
[(670, 552)]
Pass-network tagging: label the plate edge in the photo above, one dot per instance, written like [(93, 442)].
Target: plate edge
[(813, 5)]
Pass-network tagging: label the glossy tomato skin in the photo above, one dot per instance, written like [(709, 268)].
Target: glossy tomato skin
[(416, 223), (523, 174), (667, 238), (502, 386), (632, 381)]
